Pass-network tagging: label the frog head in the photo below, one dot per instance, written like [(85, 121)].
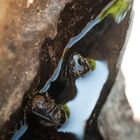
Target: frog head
[(78, 65)]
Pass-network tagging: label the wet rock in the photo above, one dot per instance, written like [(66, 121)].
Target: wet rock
[(36, 46), (26, 24), (23, 26), (105, 42), (116, 118)]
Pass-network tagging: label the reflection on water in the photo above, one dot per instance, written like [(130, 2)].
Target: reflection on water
[(89, 88), (104, 13)]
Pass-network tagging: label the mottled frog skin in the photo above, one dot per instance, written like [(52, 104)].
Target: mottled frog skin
[(64, 89), (77, 66), (51, 105), (54, 115)]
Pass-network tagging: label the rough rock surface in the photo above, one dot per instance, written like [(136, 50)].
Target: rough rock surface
[(116, 118), (23, 26), (34, 22), (107, 45)]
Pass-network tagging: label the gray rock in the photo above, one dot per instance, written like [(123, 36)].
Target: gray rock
[(24, 55), (23, 27), (116, 118)]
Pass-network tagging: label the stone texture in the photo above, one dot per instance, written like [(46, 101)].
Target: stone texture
[(33, 21), (36, 47), (23, 26), (116, 118), (105, 44)]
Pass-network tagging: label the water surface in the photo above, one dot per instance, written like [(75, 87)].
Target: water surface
[(89, 89)]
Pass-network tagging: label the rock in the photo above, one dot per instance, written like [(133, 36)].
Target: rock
[(32, 43), (109, 46), (26, 60), (23, 26), (116, 118)]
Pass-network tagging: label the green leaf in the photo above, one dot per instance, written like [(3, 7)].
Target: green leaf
[(66, 108), (92, 62), (117, 9)]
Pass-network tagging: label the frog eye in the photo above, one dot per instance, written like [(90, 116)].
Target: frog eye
[(81, 61)]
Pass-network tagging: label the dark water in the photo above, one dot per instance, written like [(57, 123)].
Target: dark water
[(88, 92), (73, 41)]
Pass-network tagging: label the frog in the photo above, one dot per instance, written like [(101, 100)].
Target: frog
[(63, 89), (51, 106), (77, 66), (51, 113)]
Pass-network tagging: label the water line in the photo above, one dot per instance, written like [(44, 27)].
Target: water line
[(72, 42), (89, 89)]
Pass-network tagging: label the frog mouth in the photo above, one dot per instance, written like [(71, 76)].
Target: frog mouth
[(55, 123)]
